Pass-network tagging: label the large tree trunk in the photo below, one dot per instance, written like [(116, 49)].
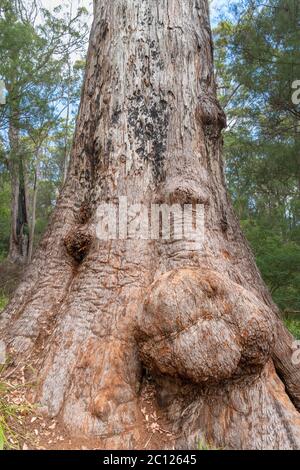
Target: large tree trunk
[(93, 315)]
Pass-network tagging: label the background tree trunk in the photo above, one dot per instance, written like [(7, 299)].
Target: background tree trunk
[(18, 245), (91, 315), (33, 206)]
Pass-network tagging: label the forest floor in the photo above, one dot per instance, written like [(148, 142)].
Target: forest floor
[(28, 429)]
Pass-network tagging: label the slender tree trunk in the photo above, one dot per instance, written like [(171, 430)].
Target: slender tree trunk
[(92, 315), (18, 245), (33, 210), (66, 149)]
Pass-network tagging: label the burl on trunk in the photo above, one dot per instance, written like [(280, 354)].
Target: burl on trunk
[(94, 315)]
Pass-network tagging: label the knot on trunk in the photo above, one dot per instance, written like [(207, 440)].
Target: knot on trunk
[(210, 114), (78, 242), (84, 213), (200, 326)]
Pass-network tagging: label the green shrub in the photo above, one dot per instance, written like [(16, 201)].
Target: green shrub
[(9, 416), (3, 301), (293, 325)]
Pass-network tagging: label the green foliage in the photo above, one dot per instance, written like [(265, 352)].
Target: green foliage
[(3, 301), (279, 262), (257, 60), (293, 325), (9, 416), (43, 81)]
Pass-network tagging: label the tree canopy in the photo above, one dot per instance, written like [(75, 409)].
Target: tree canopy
[(257, 62)]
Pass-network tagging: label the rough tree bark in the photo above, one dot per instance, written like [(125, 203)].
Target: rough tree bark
[(92, 315)]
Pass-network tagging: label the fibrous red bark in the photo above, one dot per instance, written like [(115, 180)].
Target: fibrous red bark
[(92, 315)]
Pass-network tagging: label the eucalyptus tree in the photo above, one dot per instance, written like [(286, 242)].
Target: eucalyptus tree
[(94, 313)]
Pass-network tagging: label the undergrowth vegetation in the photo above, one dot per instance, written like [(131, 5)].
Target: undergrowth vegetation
[(11, 416), (3, 301), (293, 325)]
